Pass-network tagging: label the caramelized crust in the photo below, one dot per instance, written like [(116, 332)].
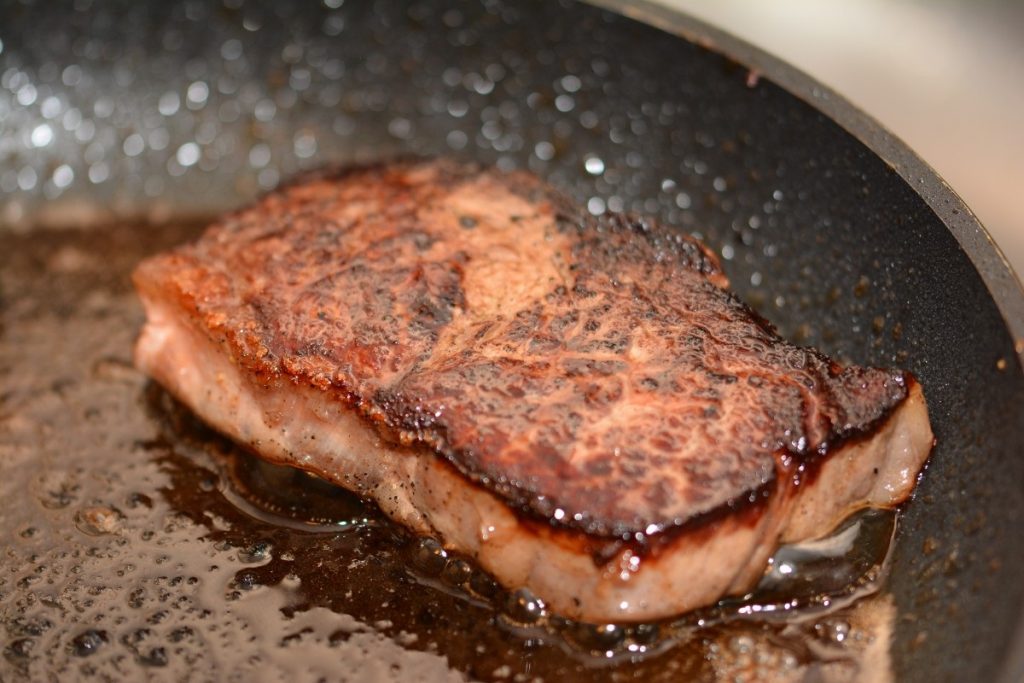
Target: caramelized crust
[(593, 373)]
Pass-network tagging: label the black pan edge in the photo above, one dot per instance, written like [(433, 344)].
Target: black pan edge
[(996, 272)]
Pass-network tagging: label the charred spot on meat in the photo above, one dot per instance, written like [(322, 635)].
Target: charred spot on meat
[(576, 402)]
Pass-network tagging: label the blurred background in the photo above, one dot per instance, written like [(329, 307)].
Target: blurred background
[(946, 76)]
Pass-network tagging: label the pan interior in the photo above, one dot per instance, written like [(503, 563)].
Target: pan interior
[(815, 231)]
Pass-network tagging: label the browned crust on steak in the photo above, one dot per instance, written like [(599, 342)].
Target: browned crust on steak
[(592, 373)]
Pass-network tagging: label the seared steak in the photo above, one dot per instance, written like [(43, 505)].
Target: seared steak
[(578, 403)]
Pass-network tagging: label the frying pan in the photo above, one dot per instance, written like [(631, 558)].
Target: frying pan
[(832, 228)]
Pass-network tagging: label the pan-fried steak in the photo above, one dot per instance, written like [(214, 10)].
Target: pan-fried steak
[(578, 403)]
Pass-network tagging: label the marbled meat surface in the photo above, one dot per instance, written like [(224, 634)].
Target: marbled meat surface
[(589, 378)]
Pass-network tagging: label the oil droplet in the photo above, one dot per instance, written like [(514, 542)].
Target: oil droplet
[(98, 520), (832, 631), (247, 580), (256, 553), (483, 585), (645, 634), (594, 165), (456, 572), (430, 557), (597, 638), (524, 607), (88, 642)]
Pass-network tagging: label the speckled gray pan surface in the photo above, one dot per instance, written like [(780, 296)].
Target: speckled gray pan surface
[(112, 109)]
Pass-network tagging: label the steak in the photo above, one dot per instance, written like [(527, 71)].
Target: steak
[(578, 403)]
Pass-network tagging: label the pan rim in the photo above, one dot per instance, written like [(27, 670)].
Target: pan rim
[(1002, 282)]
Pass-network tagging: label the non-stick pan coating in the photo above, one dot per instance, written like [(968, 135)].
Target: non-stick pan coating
[(198, 106)]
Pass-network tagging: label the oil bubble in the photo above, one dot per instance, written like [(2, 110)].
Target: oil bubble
[(524, 607), (456, 572), (88, 642), (98, 520), (256, 553), (430, 556)]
